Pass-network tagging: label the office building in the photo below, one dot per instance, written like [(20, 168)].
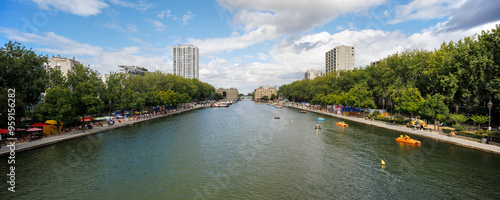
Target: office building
[(186, 61), (339, 58)]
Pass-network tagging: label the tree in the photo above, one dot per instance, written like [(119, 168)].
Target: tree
[(479, 119), (22, 71), (408, 100), (273, 96), (58, 106), (360, 97), (218, 96), (458, 118), (264, 98), (433, 106)]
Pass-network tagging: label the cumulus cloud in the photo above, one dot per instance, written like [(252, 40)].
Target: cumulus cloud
[(264, 20), (293, 16), (473, 13), (425, 9), (82, 8), (95, 56)]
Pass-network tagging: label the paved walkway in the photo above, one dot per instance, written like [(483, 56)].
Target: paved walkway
[(52, 139), (457, 140)]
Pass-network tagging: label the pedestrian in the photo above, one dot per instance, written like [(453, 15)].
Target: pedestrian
[(452, 134)]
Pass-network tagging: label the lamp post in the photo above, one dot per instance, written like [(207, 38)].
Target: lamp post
[(490, 105), (456, 109)]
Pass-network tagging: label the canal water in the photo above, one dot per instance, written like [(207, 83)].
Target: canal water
[(242, 152)]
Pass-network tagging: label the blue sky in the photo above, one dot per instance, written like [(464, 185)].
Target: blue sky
[(243, 44)]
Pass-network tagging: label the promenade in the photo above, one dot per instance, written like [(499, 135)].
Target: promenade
[(52, 139), (456, 140)]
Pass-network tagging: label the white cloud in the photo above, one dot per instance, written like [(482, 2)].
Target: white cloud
[(425, 9), (264, 20), (188, 16), (218, 45), (157, 25), (139, 5), (289, 59), (95, 56), (58, 44), (293, 16), (82, 8)]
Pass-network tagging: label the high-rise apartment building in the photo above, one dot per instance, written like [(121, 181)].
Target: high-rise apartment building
[(64, 64), (339, 58), (186, 61)]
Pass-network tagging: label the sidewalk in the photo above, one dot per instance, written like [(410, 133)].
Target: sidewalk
[(473, 143), (52, 139)]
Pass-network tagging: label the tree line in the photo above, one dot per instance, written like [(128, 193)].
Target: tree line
[(82, 92), (463, 74)]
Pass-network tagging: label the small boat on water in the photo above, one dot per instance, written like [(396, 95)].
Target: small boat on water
[(407, 139), (317, 127), (303, 111), (342, 124), (277, 117), (321, 119)]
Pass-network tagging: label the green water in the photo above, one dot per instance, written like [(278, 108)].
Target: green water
[(242, 152)]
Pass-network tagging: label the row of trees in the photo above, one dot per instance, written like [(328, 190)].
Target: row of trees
[(463, 73), (82, 92)]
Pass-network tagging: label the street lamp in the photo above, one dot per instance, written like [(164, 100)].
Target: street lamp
[(456, 109), (490, 105)]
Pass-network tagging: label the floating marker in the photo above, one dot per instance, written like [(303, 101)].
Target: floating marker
[(383, 163)]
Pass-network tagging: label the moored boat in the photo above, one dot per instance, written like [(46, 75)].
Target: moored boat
[(407, 139), (321, 119)]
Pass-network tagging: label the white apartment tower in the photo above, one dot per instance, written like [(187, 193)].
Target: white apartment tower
[(339, 58), (186, 61)]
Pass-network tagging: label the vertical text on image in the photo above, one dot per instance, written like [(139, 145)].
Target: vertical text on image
[(11, 104)]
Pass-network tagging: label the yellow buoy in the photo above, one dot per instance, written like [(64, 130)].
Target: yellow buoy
[(292, 121), (383, 163)]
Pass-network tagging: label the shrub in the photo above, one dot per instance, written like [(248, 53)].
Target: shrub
[(481, 132), (376, 113), (446, 130), (458, 127), (399, 117)]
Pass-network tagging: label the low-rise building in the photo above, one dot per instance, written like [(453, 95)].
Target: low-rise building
[(228, 94), (311, 74), (264, 91), (135, 70), (64, 64)]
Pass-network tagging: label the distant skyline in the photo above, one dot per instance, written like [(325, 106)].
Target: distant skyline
[(242, 44)]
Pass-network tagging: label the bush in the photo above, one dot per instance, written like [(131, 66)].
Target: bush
[(481, 132), (446, 130), (458, 127), (399, 117), (376, 113)]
